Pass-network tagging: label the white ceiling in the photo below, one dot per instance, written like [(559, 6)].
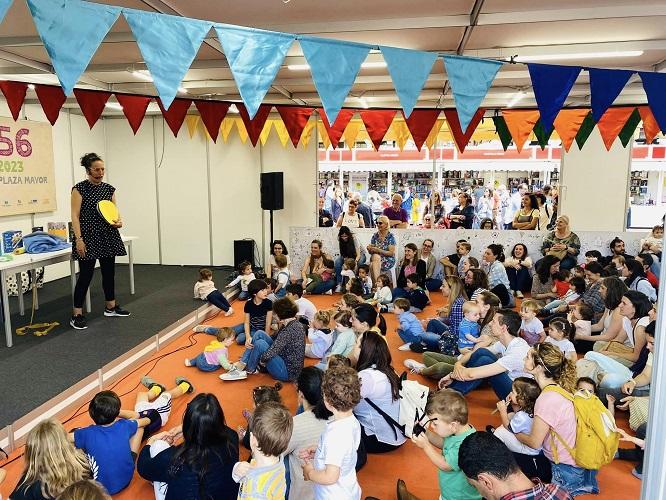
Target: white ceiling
[(490, 28)]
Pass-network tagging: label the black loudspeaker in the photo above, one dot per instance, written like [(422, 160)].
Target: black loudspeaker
[(272, 194), (243, 250)]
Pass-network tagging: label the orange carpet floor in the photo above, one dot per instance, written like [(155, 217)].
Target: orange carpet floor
[(378, 478)]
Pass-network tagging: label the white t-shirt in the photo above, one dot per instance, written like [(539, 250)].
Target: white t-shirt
[(376, 387), (583, 327), (521, 422), (307, 432), (564, 345), (351, 221), (626, 325), (531, 330), (306, 308), (337, 446), (282, 277), (512, 357)]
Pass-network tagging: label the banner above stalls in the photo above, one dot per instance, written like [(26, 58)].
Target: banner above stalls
[(169, 44)]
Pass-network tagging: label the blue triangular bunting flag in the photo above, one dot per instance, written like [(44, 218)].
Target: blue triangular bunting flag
[(168, 45), (409, 70), (255, 57), (470, 80), (605, 86), (4, 7), (334, 66), (654, 85), (71, 31), (551, 85)]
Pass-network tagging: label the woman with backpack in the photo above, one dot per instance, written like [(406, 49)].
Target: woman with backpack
[(634, 278), (380, 385), (554, 425)]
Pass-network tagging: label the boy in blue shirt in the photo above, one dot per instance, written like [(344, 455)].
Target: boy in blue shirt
[(410, 329)]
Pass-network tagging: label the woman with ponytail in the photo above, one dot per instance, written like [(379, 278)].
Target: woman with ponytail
[(555, 420), (308, 427), (498, 281)]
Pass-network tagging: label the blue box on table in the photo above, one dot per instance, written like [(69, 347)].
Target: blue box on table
[(11, 240)]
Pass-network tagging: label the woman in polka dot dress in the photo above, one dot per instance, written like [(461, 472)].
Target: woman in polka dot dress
[(95, 239)]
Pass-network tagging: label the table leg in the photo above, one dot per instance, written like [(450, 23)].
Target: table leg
[(5, 310), (35, 297), (88, 306), (131, 267), (20, 294)]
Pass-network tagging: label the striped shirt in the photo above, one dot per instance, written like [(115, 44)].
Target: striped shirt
[(263, 483)]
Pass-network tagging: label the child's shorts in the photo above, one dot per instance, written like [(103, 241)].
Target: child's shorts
[(162, 404)]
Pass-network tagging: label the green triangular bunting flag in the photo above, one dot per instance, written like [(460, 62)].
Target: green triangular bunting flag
[(503, 131), (585, 130), (541, 136), (629, 128)]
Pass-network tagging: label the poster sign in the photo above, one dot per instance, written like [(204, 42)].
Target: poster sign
[(358, 182), (27, 176)]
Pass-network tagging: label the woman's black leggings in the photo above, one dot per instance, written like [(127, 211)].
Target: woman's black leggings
[(502, 294), (86, 269)]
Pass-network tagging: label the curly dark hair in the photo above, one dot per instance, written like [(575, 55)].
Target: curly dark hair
[(341, 387)]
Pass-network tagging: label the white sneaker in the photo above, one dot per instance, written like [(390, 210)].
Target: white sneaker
[(329, 292), (199, 328), (308, 281), (234, 375), (188, 362), (404, 347), (519, 294), (229, 312), (338, 289), (414, 366)]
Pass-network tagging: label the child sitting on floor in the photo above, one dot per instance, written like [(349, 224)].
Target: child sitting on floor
[(383, 294), (576, 290), (581, 317), (204, 289), (366, 280), (560, 332), (346, 338), (245, 276), (260, 395), (319, 335), (264, 476), (531, 329), (331, 466), (216, 353), (335, 360), (306, 309), (355, 286), (469, 328), (282, 276), (447, 414), (410, 329), (348, 270), (417, 296)]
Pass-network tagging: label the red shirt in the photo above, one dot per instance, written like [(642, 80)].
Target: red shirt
[(562, 287), (652, 278), (540, 491)]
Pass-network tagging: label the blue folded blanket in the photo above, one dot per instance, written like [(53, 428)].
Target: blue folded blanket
[(41, 242)]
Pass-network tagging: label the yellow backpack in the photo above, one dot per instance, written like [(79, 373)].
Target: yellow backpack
[(597, 438)]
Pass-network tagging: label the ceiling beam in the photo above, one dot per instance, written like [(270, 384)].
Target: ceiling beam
[(582, 13)]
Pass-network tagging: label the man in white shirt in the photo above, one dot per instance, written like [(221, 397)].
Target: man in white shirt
[(515, 202), (500, 364)]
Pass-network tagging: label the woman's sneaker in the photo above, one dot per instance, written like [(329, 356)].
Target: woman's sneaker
[(116, 311), (229, 312), (519, 294), (78, 322), (414, 366), (234, 375)]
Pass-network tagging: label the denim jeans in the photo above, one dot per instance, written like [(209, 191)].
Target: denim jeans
[(276, 366), (243, 295), (501, 383), (203, 365), (318, 286), (436, 326), (218, 300), (431, 340), (240, 332), (399, 293), (408, 337), (519, 279), (553, 304), (433, 284), (615, 374), (574, 479)]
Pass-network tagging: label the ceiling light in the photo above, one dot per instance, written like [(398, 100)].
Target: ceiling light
[(365, 65), (517, 97), (233, 109), (113, 105), (578, 55), (143, 75), (31, 86)]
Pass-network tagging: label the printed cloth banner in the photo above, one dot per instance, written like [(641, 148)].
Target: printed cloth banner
[(255, 57), (72, 31), (334, 66), (605, 86), (568, 123), (654, 85), (4, 7), (551, 85), (27, 175), (14, 93), (254, 126), (92, 104), (461, 139), (611, 123), (51, 99), (502, 131), (409, 70), (294, 119), (335, 131), (175, 115), (168, 45), (585, 130), (650, 125), (520, 123), (470, 80), (377, 123), (212, 113), (420, 123), (134, 108), (629, 129)]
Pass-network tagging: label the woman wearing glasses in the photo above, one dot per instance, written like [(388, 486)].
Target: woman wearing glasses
[(381, 249), (351, 218)]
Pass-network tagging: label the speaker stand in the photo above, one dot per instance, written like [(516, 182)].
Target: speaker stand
[(271, 223)]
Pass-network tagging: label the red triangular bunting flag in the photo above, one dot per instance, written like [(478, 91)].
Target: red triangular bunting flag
[(91, 103), (377, 123), (175, 115), (134, 108), (294, 120), (14, 93), (420, 123), (454, 126), (212, 113), (650, 125), (256, 125), (51, 99), (520, 123), (611, 123), (335, 132)]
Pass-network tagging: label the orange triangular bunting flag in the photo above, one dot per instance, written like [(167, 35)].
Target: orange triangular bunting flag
[(611, 123), (567, 123), (520, 123), (650, 126)]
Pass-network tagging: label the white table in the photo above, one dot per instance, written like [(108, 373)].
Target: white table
[(27, 262)]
